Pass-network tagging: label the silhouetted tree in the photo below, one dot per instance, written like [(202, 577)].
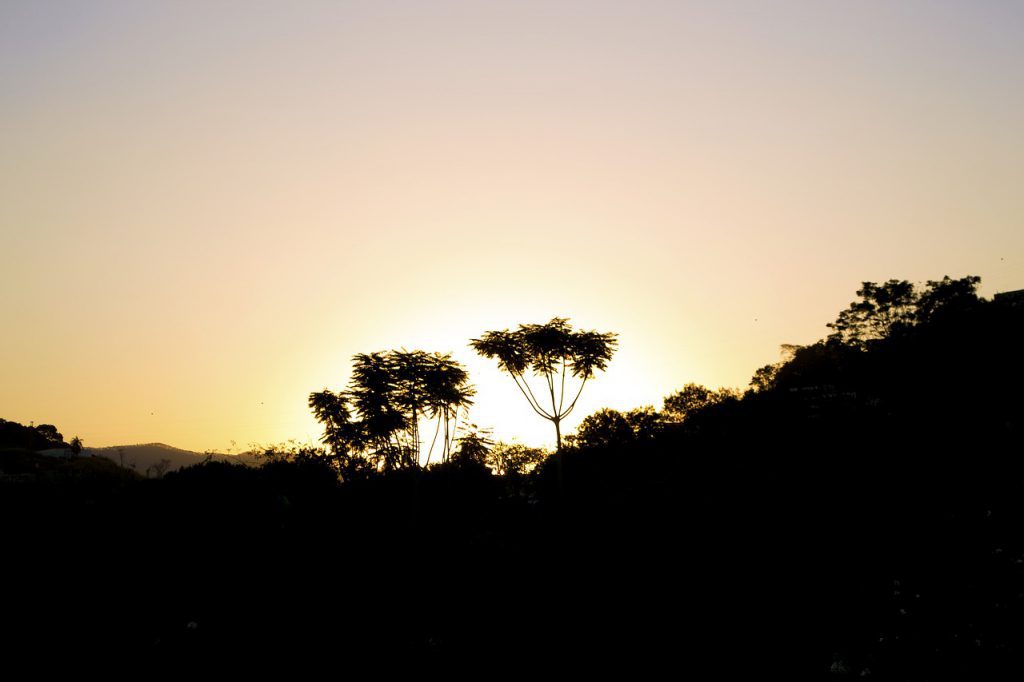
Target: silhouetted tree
[(344, 439), (445, 390), (42, 437), (897, 305), (692, 398), (514, 459), (608, 428), (332, 410), (947, 297), (550, 351), (882, 310), (473, 447), (75, 446), (764, 378), (689, 398), (50, 433), (390, 392)]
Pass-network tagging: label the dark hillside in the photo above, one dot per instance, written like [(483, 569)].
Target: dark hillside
[(859, 514)]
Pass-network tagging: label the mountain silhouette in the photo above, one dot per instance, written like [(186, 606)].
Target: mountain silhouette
[(143, 456)]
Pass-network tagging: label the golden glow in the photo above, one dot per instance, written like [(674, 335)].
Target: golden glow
[(206, 211)]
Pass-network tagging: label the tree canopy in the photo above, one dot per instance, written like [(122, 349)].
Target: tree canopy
[(893, 307), (609, 428), (514, 459), (378, 417), (550, 352), (39, 437), (692, 398)]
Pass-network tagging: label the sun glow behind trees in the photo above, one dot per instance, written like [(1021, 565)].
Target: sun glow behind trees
[(498, 409), (549, 351), (380, 415), (209, 208)]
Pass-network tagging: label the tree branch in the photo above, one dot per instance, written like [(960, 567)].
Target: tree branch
[(530, 399), (455, 430), (561, 397), (551, 390), (566, 413), (436, 430)]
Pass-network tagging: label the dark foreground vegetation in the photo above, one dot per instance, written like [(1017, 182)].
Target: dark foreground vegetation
[(857, 513)]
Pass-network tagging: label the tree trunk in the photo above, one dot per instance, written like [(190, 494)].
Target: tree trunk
[(558, 454)]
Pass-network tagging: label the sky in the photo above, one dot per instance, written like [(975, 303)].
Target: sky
[(207, 208)]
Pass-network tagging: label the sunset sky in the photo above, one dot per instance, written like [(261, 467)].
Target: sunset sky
[(206, 208)]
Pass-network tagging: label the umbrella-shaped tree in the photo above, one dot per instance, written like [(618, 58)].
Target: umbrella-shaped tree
[(551, 352)]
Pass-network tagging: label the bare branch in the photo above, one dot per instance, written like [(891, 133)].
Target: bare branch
[(530, 399), (566, 414)]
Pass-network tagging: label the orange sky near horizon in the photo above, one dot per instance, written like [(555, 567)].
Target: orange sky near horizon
[(207, 208)]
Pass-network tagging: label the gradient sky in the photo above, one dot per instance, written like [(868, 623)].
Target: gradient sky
[(206, 208)]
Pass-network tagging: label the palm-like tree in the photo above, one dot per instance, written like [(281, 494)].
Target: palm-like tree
[(388, 395), (550, 352), (447, 392)]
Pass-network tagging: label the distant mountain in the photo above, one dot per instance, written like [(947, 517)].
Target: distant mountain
[(149, 455)]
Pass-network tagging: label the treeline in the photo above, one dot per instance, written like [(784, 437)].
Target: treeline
[(41, 437), (856, 512), (375, 425)]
